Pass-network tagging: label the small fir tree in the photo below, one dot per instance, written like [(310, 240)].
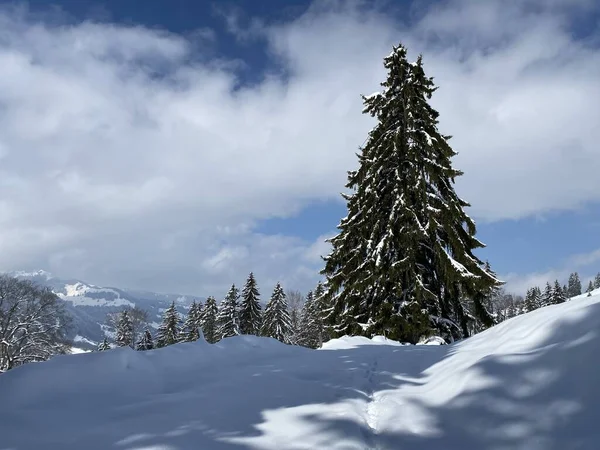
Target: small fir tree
[(250, 310), (169, 329), (574, 288), (209, 320), (227, 319), (276, 321), (590, 288), (145, 342), (547, 296), (309, 330), (597, 281), (193, 322), (104, 345), (124, 335), (558, 294)]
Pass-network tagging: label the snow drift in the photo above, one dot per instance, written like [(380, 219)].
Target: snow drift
[(530, 383)]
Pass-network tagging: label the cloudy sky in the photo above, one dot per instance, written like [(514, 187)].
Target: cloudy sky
[(176, 146)]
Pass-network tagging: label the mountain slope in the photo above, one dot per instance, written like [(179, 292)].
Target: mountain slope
[(528, 383), (89, 304)]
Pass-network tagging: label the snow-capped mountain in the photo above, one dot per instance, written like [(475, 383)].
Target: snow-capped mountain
[(89, 304)]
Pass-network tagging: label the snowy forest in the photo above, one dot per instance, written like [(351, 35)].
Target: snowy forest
[(403, 264)]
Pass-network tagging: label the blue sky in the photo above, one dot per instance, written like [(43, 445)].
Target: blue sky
[(181, 144)]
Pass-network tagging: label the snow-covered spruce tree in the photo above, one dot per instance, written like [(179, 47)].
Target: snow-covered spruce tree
[(145, 342), (558, 294), (548, 295), (403, 264), (124, 332), (323, 305), (590, 288), (597, 281), (309, 330), (533, 299), (190, 330), (169, 329), (104, 345), (250, 309), (209, 320), (574, 287), (276, 321), (228, 320)]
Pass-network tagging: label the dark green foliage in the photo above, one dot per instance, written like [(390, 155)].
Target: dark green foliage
[(209, 320), (590, 288), (104, 345), (403, 260), (228, 320), (191, 327), (145, 342), (548, 295), (574, 285), (533, 299), (169, 329), (276, 321), (597, 281), (124, 335), (250, 309), (558, 294)]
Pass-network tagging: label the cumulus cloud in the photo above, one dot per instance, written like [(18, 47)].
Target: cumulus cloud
[(127, 156)]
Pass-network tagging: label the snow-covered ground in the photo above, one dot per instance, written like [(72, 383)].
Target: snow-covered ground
[(531, 383)]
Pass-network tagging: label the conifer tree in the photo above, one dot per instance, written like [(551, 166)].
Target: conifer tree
[(250, 309), (145, 342), (597, 281), (104, 345), (209, 320), (558, 295), (532, 299), (228, 320), (309, 329), (124, 335), (193, 322), (403, 260), (276, 321), (548, 295), (590, 289), (574, 288), (169, 329)]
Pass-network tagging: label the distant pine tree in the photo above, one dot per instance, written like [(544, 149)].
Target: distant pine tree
[(547, 296), (145, 342), (169, 329), (309, 329), (228, 320), (590, 288), (402, 264), (565, 290), (597, 281), (324, 308), (532, 299), (276, 321), (104, 345), (574, 288), (209, 321), (558, 294), (250, 309), (193, 322), (124, 335)]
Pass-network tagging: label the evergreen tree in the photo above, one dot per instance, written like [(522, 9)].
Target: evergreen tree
[(574, 288), (558, 295), (168, 331), (124, 335), (590, 289), (309, 329), (209, 320), (227, 319), (325, 311), (193, 322), (547, 296), (403, 260), (532, 299), (250, 310), (276, 321), (597, 281), (104, 345), (145, 342)]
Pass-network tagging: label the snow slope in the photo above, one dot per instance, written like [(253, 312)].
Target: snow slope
[(530, 383)]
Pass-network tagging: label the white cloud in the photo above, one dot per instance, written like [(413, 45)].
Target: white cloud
[(123, 163)]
